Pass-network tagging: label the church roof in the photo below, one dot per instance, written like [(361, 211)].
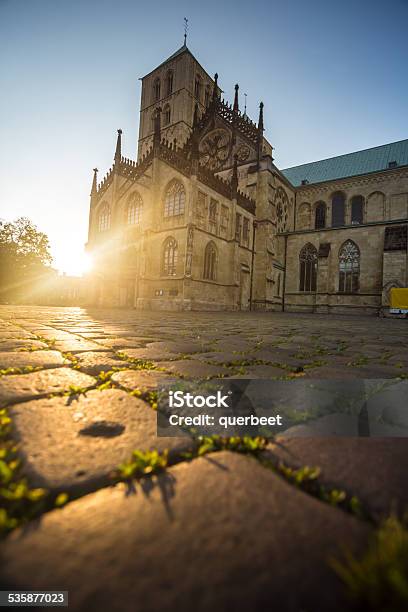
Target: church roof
[(182, 49), (375, 159)]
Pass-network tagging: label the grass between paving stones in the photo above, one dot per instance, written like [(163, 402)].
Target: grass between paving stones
[(19, 503), (21, 370), (306, 478), (147, 463), (377, 580), (138, 364)]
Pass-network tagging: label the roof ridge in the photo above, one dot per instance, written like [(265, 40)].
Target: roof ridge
[(317, 161)]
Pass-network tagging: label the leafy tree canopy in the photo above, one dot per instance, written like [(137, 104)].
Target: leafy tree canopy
[(24, 257), (22, 239)]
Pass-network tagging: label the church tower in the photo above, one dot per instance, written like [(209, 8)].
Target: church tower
[(175, 87)]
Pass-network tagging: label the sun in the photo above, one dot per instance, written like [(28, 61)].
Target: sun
[(74, 263)]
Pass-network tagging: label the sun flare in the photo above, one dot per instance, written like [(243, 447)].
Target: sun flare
[(74, 263)]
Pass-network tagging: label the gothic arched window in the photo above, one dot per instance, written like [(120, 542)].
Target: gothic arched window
[(349, 267), (169, 257), (169, 83), (357, 208), (282, 210), (166, 114), (210, 261), (104, 218), (338, 209), (308, 268), (156, 90), (320, 215), (134, 209), (175, 198)]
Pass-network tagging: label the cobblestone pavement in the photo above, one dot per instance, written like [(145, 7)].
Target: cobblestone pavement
[(222, 527)]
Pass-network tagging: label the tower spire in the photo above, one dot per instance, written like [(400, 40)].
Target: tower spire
[(94, 182), (118, 152), (260, 132), (260, 120), (236, 105)]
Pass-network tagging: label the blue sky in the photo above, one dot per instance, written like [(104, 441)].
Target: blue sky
[(332, 76)]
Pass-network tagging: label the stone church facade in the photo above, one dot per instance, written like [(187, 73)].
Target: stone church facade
[(204, 220)]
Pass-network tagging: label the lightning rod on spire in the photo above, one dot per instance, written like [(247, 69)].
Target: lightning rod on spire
[(185, 30)]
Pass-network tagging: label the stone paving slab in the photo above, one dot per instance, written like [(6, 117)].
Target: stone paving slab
[(150, 354), (16, 344), (199, 537), (73, 444), (176, 347), (261, 371), (374, 469), (123, 343), (224, 357), (76, 345), (22, 359), (191, 368), (15, 335), (143, 380), (95, 362), (20, 387)]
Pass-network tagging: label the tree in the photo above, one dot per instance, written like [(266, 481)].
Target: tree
[(25, 258)]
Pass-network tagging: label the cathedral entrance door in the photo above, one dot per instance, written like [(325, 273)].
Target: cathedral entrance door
[(244, 286)]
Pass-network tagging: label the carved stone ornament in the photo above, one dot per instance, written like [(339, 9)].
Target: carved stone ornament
[(215, 149), (243, 152)]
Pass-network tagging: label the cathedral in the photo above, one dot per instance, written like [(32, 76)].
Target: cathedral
[(204, 220)]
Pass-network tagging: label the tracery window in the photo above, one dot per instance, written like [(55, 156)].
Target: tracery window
[(349, 268), (245, 231), (175, 198), (134, 209), (338, 209), (282, 210), (210, 261), (207, 97), (213, 211), (169, 257), (238, 219), (357, 208), (156, 90), (320, 215), (104, 218), (308, 268), (169, 83)]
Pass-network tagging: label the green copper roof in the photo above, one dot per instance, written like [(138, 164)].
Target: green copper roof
[(351, 164)]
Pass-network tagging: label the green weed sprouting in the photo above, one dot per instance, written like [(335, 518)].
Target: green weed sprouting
[(306, 478), (21, 370), (377, 580), (137, 364), (142, 463), (19, 503), (211, 444)]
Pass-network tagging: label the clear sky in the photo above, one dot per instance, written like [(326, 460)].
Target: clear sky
[(332, 75)]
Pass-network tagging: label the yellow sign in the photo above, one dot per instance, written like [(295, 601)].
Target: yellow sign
[(399, 298)]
